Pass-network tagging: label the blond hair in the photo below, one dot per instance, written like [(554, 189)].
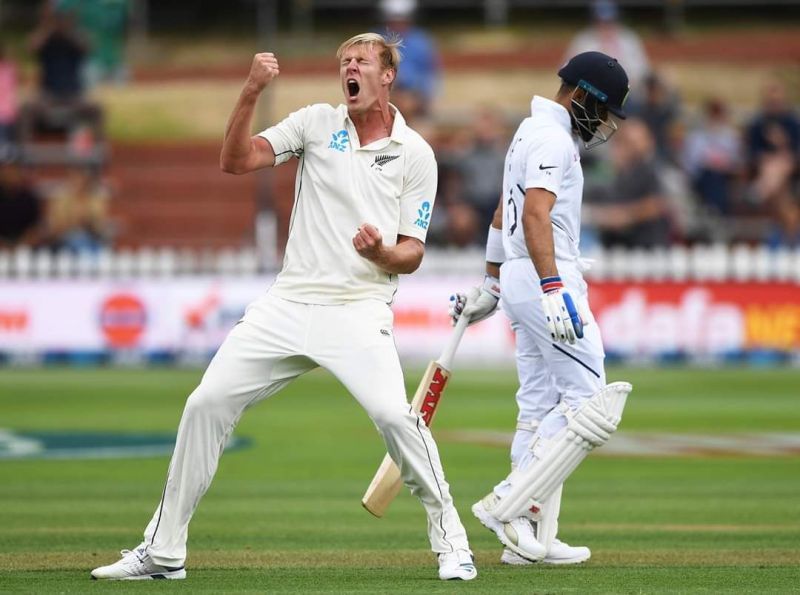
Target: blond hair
[(388, 49)]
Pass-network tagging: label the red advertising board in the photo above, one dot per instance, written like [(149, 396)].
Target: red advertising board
[(697, 317)]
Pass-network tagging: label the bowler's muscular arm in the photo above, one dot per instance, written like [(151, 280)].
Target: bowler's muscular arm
[(242, 153), (402, 258), (539, 231)]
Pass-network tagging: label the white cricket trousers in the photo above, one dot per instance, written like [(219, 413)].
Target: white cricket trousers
[(549, 372), (275, 342)]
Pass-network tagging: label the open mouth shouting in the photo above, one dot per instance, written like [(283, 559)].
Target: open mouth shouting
[(352, 89)]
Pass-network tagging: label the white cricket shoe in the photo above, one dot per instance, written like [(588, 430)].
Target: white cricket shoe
[(517, 535), (559, 553), (457, 565), (136, 565)]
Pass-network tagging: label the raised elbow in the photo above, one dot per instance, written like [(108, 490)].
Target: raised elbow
[(410, 268), (231, 166)]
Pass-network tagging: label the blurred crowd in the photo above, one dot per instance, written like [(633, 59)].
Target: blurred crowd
[(53, 188), (667, 176), (671, 174)]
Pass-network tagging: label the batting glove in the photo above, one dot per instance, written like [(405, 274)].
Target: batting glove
[(479, 303), (563, 320)]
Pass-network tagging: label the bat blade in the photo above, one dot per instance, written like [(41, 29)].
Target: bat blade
[(387, 482)]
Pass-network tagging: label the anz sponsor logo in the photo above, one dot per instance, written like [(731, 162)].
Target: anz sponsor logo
[(423, 215), (339, 141)]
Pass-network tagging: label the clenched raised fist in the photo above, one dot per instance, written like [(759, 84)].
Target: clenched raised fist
[(263, 70)]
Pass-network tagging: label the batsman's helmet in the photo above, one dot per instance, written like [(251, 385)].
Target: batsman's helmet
[(601, 76), (605, 87)]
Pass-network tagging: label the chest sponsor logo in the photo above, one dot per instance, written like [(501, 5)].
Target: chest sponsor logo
[(423, 215), (91, 445), (339, 141), (381, 160)]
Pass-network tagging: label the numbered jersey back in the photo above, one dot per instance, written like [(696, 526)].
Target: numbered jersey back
[(543, 154)]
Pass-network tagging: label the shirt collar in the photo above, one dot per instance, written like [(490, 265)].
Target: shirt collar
[(399, 127), (559, 113)]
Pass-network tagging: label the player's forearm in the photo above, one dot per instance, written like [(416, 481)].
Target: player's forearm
[(539, 240), (238, 151), (401, 259)]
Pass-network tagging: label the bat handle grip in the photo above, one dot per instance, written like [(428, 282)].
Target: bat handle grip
[(446, 358)]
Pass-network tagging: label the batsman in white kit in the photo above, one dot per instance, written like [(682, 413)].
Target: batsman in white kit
[(532, 255), (364, 191)]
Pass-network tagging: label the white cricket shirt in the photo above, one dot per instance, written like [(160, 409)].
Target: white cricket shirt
[(544, 154), (390, 183)]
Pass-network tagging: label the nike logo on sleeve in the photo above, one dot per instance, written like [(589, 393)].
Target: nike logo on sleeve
[(547, 166)]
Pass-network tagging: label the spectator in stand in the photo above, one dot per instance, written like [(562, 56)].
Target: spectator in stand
[(660, 108), (418, 77), (60, 50), (685, 219), (60, 104), (9, 86), (713, 157), (606, 34), (784, 230), (78, 216), (632, 211), (773, 148), (452, 223), (478, 172), (105, 24), (22, 212)]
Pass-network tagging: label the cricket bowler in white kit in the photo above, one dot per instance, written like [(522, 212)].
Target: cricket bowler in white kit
[(565, 407), (365, 188)]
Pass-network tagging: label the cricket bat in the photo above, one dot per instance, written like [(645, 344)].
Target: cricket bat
[(387, 481)]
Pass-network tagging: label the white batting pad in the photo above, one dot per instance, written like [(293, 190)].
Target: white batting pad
[(547, 526), (588, 427)]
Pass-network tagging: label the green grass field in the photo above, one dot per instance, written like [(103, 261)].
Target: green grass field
[(284, 515)]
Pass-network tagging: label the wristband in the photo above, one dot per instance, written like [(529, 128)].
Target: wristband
[(492, 285), (494, 246), (550, 284)]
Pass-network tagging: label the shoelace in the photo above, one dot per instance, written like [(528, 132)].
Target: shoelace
[(134, 557), (137, 552), (134, 561)]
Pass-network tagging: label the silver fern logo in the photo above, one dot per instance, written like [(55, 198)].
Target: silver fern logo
[(381, 160)]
